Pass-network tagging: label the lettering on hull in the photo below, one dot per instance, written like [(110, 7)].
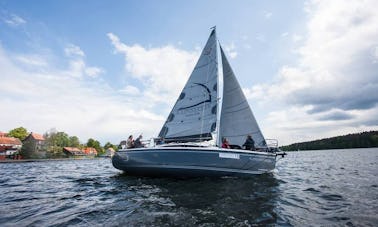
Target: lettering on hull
[(228, 155)]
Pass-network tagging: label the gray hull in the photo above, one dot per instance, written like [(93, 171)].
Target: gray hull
[(192, 162)]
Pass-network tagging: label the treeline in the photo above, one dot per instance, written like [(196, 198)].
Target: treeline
[(55, 141), (357, 140)]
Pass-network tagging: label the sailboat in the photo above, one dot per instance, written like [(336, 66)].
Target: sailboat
[(189, 143)]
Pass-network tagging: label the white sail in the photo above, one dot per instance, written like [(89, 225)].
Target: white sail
[(237, 120), (193, 117)]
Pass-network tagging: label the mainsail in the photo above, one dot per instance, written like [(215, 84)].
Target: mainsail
[(237, 120), (194, 115)]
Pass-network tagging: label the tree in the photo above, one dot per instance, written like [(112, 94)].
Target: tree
[(74, 141), (55, 142), (19, 132), (357, 140), (110, 145), (96, 145), (60, 139)]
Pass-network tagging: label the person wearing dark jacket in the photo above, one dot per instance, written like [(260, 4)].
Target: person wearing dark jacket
[(138, 143), (249, 143)]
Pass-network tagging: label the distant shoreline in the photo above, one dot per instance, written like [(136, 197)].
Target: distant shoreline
[(47, 159), (334, 149), (356, 140)]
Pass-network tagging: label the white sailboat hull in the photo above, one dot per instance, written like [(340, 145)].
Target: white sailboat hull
[(193, 162)]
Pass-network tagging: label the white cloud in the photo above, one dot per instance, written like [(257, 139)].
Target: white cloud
[(163, 71), (130, 90), (267, 14), (31, 60), (285, 34), (336, 76), (14, 20), (77, 66), (296, 38), (73, 50), (230, 50), (93, 71), (66, 98)]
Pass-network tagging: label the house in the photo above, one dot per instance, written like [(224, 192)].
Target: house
[(108, 153), (9, 146), (34, 145), (90, 151), (73, 151)]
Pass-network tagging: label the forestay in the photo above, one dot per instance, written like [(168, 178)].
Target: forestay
[(194, 114), (237, 120)]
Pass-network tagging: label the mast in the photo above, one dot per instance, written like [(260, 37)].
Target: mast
[(219, 98)]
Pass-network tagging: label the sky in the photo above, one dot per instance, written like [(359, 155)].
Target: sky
[(108, 69)]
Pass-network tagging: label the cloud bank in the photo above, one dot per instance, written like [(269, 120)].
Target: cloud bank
[(162, 71), (333, 87), (67, 99), (75, 98)]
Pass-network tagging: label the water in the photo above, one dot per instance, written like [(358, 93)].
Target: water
[(326, 188)]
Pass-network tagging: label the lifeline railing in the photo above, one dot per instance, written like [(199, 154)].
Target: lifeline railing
[(273, 143)]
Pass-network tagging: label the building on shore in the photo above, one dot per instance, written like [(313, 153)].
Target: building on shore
[(34, 146), (90, 151), (74, 151), (108, 152), (9, 146)]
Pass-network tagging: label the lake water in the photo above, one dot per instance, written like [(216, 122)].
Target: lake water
[(332, 188)]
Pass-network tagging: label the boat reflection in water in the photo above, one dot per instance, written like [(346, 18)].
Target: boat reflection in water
[(198, 201)]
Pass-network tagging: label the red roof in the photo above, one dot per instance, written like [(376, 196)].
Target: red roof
[(37, 136), (9, 141), (90, 150), (72, 149)]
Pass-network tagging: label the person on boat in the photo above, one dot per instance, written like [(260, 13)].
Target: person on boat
[(130, 142), (249, 143), (225, 143), (160, 141), (138, 143)]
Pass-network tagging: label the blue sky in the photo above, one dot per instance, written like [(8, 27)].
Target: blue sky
[(107, 69)]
